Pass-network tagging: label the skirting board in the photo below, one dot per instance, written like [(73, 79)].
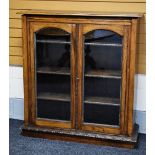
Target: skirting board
[(16, 111)]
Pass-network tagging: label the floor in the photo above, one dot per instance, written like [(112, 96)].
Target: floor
[(20, 145)]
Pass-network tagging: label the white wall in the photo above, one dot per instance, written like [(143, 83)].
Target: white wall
[(16, 82), (16, 96), (140, 92)]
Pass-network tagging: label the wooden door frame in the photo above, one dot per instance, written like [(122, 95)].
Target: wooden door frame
[(131, 76), (29, 73), (124, 31)]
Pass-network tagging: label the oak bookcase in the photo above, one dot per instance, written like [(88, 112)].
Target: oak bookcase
[(79, 76)]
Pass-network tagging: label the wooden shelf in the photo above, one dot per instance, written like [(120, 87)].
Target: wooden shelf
[(104, 44), (103, 74), (56, 70), (87, 43), (89, 100), (52, 41), (112, 40), (102, 100), (91, 73), (54, 96)]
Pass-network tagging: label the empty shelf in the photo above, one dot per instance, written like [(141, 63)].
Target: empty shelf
[(104, 44), (112, 40), (52, 41), (56, 70), (103, 74), (54, 96), (102, 100)]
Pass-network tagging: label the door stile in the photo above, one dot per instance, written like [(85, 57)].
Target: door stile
[(33, 77), (80, 58), (124, 84), (73, 76)]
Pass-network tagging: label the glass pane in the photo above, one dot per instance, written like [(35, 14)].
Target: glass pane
[(100, 87), (53, 110), (102, 77), (53, 74), (101, 114), (53, 84)]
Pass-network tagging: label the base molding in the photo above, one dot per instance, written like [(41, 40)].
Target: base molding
[(82, 136)]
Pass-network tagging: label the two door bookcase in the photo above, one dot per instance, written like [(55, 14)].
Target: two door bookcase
[(79, 77)]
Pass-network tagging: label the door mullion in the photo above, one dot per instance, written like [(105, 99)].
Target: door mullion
[(80, 75), (73, 76)]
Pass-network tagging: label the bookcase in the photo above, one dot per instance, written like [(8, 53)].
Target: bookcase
[(79, 76)]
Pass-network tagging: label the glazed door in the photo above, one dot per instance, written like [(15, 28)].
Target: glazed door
[(52, 69), (102, 58)]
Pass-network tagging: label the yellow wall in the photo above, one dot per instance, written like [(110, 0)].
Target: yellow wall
[(15, 26)]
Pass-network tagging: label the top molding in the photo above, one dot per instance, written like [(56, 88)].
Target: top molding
[(80, 13), (115, 1)]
